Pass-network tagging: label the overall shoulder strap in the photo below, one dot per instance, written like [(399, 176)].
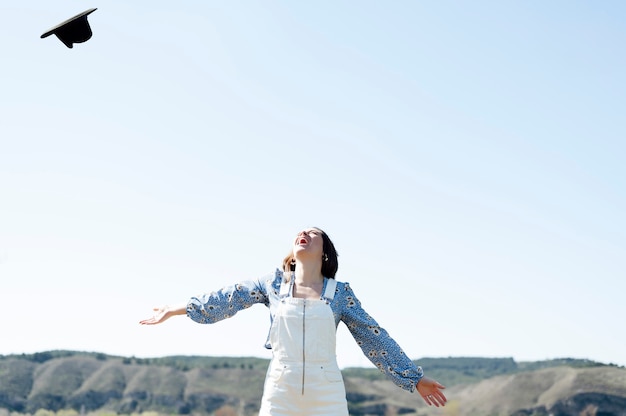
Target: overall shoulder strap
[(329, 292), (285, 285)]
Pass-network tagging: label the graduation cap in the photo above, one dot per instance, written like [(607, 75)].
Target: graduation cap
[(74, 30)]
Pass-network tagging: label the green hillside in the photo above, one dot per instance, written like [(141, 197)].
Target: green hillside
[(80, 382)]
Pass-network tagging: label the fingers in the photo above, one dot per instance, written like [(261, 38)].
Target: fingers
[(440, 398), (430, 400), (436, 399), (154, 319)]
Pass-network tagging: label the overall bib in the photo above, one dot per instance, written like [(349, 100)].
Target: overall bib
[(303, 378)]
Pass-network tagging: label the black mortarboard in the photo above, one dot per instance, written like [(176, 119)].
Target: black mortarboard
[(74, 30)]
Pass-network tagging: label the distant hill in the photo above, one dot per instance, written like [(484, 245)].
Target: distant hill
[(95, 382)]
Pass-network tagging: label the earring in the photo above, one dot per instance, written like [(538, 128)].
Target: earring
[(325, 257)]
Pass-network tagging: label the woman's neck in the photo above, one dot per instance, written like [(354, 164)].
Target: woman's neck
[(309, 273)]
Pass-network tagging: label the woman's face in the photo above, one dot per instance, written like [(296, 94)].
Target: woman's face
[(309, 243)]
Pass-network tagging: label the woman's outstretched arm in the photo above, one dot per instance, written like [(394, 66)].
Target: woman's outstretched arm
[(224, 303), (385, 353)]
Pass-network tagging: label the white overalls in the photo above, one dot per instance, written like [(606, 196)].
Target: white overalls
[(303, 378)]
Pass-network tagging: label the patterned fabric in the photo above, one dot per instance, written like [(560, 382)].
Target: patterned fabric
[(374, 341)]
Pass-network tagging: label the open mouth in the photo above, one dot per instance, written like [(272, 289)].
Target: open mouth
[(302, 241)]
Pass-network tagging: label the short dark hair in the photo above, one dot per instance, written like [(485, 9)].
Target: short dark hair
[(330, 266)]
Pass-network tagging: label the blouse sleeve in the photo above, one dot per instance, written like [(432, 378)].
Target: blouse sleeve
[(226, 302), (377, 345)]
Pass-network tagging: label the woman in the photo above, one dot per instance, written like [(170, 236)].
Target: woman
[(306, 304)]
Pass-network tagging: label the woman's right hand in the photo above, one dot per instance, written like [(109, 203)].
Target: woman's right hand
[(163, 313)]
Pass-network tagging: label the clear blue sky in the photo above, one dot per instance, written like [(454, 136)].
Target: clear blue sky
[(467, 158)]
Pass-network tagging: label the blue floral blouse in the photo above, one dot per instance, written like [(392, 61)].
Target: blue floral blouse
[(375, 342)]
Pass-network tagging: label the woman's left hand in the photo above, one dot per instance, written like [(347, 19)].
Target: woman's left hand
[(430, 390)]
